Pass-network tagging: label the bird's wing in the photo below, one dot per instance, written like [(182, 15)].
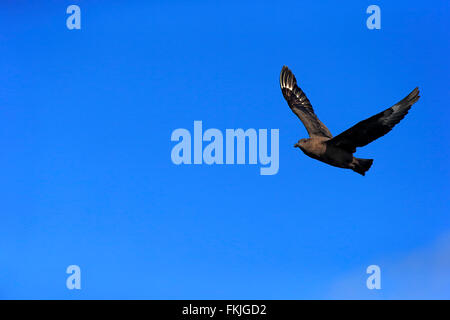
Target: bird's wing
[(376, 126), (300, 105)]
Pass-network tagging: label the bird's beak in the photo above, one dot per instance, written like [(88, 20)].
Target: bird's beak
[(296, 145)]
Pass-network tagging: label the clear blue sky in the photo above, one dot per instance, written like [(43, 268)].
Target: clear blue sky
[(87, 179)]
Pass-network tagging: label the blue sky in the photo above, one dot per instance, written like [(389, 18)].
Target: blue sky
[(87, 178)]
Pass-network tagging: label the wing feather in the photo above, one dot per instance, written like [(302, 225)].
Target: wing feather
[(300, 105), (376, 126)]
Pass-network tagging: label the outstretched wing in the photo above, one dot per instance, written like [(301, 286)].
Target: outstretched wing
[(376, 126), (300, 105)]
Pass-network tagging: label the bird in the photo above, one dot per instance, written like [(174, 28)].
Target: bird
[(338, 151)]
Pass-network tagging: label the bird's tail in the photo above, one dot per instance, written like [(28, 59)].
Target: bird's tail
[(362, 165)]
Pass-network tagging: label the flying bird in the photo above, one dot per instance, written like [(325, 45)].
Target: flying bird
[(338, 151)]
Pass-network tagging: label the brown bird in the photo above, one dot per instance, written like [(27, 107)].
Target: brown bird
[(338, 151)]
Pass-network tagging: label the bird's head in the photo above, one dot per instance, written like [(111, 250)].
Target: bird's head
[(300, 143)]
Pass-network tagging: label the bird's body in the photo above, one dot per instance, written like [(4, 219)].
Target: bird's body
[(338, 151), (319, 149)]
